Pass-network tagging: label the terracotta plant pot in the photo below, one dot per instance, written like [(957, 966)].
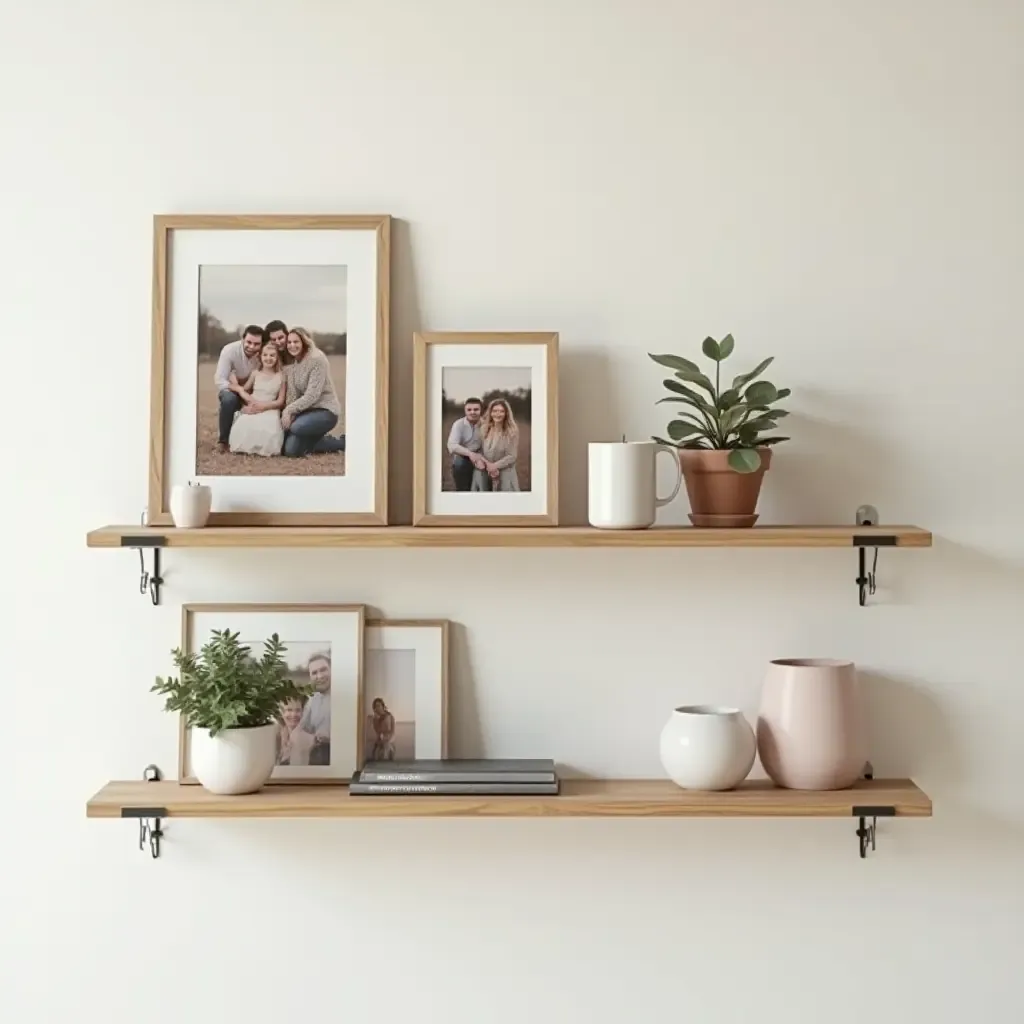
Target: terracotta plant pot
[(719, 496)]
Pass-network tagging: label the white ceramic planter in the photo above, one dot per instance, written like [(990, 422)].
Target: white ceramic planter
[(190, 505), (234, 761), (705, 747)]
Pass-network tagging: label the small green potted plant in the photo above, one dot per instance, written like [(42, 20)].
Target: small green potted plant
[(724, 437), (231, 702)]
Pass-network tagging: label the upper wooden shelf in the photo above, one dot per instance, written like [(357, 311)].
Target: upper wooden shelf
[(506, 537), (579, 798)]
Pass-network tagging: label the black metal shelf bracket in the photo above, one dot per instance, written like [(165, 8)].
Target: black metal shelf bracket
[(867, 834), (149, 582), (150, 830), (867, 515)]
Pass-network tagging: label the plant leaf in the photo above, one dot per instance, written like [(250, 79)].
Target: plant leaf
[(661, 440), (783, 393), (746, 378), (760, 423), (761, 392), (711, 349), (732, 418), (675, 362), (744, 460), (728, 398), (725, 347), (699, 379), (771, 440), (678, 429)]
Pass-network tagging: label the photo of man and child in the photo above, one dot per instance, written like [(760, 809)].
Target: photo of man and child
[(272, 350), (485, 416), (304, 726)]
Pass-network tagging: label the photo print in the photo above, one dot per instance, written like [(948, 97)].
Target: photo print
[(271, 355), (304, 725), (486, 423), (389, 706)]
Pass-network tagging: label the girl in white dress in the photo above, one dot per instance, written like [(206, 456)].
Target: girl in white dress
[(257, 428)]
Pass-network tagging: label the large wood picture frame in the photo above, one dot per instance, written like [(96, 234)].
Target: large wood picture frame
[(432, 504), (368, 449)]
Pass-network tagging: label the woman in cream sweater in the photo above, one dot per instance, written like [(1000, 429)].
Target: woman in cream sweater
[(499, 446), (311, 408)]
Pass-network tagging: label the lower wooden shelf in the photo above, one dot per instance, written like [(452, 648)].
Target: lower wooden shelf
[(580, 798)]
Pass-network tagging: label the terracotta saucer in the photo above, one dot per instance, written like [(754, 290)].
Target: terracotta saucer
[(723, 521)]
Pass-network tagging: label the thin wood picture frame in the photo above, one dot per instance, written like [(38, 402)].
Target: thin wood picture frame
[(428, 639), (504, 367), (358, 495), (349, 680)]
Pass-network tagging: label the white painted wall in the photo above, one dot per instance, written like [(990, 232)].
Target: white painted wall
[(838, 184)]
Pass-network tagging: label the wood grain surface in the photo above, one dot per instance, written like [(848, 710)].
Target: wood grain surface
[(579, 798), (507, 537)]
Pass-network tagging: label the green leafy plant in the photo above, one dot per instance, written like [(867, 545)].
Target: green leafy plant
[(736, 419), (224, 687)]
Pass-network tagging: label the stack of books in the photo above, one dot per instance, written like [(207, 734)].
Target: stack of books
[(457, 776)]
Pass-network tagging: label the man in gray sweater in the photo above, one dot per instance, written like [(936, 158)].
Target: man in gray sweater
[(240, 358)]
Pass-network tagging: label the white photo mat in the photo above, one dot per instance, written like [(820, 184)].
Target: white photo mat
[(532, 502), (428, 641), (342, 629), (352, 248)]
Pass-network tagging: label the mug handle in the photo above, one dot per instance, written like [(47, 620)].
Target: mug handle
[(658, 502)]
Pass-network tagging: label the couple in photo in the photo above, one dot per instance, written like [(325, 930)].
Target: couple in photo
[(484, 446), (275, 394), (304, 728)]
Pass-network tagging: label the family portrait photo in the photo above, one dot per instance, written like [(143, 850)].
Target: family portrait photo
[(272, 343), (304, 726), (486, 419), (389, 708)]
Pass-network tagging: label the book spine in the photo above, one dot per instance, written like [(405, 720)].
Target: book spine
[(453, 789), (377, 776)]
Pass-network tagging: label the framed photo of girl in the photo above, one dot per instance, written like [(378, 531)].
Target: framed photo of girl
[(319, 737), (269, 377), (485, 423)]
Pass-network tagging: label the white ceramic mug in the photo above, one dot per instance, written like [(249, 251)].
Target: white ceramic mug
[(623, 486), (190, 505)]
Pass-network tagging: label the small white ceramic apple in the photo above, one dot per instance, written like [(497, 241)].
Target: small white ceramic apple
[(190, 505)]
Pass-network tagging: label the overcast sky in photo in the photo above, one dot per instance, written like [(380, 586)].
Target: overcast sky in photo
[(297, 654), (312, 297), (462, 382)]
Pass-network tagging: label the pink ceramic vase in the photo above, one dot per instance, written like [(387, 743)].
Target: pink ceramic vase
[(810, 729)]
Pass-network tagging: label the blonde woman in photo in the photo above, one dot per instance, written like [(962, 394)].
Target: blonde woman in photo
[(499, 447), (312, 408)]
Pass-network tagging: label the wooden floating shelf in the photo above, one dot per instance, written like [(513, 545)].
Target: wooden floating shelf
[(580, 798), (506, 537)]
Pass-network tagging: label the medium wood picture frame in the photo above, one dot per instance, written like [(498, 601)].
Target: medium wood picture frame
[(346, 674), (505, 360), (429, 640), (360, 245)]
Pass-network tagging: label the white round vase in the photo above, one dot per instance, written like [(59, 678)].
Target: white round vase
[(705, 747), (235, 760)]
